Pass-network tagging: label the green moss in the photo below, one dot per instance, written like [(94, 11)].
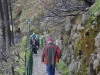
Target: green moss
[(51, 29), (83, 67), (63, 69), (65, 38), (20, 70), (78, 44), (76, 20), (95, 7), (34, 29), (59, 64), (24, 43)]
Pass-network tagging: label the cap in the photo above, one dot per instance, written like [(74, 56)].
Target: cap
[(49, 40), (34, 35)]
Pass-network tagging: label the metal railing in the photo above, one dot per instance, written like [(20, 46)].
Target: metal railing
[(29, 65)]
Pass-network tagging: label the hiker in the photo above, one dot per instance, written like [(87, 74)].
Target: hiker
[(33, 45), (37, 41), (59, 42), (40, 42), (17, 37), (51, 55)]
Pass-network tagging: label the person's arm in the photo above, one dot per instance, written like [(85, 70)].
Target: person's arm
[(30, 42), (58, 52), (43, 54)]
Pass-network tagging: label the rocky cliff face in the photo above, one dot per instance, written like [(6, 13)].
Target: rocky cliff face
[(80, 39)]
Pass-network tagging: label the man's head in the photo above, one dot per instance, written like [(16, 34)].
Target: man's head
[(49, 40)]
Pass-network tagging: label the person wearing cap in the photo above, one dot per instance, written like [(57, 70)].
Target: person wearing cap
[(51, 54), (34, 35)]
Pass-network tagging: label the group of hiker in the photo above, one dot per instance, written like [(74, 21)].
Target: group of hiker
[(51, 52), (34, 42)]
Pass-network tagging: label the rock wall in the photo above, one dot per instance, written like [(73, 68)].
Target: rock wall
[(79, 44), (83, 47)]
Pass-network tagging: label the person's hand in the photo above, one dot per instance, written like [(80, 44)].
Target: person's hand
[(33, 43), (42, 59), (37, 46)]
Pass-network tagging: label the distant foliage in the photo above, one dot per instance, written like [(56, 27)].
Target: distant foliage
[(24, 43)]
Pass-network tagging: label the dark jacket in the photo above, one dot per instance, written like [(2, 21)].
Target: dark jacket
[(37, 42), (51, 54), (33, 43)]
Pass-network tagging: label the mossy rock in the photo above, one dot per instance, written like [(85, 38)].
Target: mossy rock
[(51, 29), (34, 29), (65, 39), (78, 44)]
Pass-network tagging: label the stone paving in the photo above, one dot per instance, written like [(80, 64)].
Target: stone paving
[(38, 67)]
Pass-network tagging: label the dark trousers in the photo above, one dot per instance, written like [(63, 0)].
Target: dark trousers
[(50, 69), (34, 50)]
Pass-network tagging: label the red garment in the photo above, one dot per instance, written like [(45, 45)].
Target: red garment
[(55, 53)]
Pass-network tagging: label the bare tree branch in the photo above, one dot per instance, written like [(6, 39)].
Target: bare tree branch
[(63, 8), (12, 2)]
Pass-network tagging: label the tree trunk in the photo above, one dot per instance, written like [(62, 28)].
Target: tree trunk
[(3, 26), (11, 21), (6, 16), (12, 68)]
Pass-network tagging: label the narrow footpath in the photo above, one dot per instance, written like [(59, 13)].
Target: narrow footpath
[(38, 67)]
